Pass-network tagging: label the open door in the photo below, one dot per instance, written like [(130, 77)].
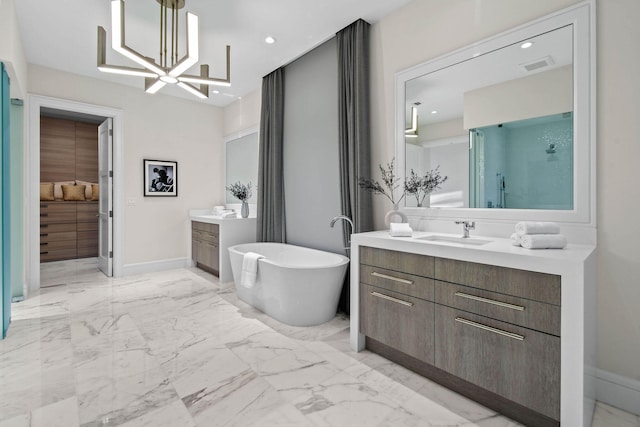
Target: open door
[(105, 205)]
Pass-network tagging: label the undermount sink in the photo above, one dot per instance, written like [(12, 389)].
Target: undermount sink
[(450, 239)]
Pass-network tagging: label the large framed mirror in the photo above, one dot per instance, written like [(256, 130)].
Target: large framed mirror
[(509, 121), (241, 165)]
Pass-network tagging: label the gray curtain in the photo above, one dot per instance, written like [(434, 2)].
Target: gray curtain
[(271, 218), (354, 131)]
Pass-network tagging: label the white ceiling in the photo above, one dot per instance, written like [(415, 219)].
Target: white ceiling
[(62, 35)]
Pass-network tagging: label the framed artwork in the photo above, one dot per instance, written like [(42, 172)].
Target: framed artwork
[(160, 178)]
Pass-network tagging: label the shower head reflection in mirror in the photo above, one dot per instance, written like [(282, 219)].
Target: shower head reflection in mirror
[(499, 109)]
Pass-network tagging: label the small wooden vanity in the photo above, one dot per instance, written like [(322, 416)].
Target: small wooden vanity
[(505, 326), (211, 238)]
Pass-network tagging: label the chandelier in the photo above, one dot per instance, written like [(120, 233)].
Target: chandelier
[(170, 69)]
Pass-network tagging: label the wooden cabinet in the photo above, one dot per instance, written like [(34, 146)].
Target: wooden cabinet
[(68, 152), (205, 248), (499, 328), (516, 363), (87, 224), (212, 237), (489, 332), (68, 230), (398, 320), (397, 302)]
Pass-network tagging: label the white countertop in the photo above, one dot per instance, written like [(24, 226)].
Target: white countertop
[(497, 252), (205, 215)]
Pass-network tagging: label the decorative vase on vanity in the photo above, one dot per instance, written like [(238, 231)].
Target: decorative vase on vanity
[(393, 213), (244, 211)]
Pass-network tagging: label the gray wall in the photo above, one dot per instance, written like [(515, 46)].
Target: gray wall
[(312, 183)]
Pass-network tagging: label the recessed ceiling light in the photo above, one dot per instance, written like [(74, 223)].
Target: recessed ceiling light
[(526, 45), (434, 112), (215, 91), (270, 40)]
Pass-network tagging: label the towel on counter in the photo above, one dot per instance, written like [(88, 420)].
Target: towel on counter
[(543, 241), (400, 229), (515, 239), (249, 269), (529, 227)]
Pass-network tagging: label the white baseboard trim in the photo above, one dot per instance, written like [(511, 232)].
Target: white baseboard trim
[(618, 391), (155, 266)]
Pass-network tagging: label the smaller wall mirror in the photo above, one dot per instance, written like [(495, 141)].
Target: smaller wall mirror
[(508, 120), (242, 164)]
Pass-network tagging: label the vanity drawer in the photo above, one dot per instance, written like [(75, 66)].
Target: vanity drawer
[(518, 311), (207, 255), (204, 226), (520, 283), (397, 320), (408, 284), (204, 237), (420, 265), (520, 364)]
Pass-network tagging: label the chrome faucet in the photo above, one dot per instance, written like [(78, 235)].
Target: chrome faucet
[(466, 226), (346, 218)]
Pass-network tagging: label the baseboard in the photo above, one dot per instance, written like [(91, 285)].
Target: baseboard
[(155, 266), (618, 391)]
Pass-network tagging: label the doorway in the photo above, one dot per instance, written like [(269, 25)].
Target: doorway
[(38, 104)]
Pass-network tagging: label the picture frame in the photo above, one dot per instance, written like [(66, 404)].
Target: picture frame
[(160, 178)]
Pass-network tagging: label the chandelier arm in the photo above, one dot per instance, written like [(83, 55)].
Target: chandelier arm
[(116, 69), (192, 56), (204, 78), (202, 94), (118, 39), (161, 12), (153, 85)]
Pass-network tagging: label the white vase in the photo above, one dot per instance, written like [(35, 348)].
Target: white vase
[(393, 214), (244, 210)]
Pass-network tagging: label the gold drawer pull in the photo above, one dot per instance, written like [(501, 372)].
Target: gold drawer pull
[(490, 301), (490, 329), (387, 297), (395, 279)]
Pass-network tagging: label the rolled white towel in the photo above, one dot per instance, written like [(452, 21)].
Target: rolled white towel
[(530, 227), (543, 241), (515, 239), (400, 229), (249, 269)]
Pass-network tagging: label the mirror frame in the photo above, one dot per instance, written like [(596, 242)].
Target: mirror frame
[(582, 17)]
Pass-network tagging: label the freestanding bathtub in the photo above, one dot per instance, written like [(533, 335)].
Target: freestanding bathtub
[(295, 285)]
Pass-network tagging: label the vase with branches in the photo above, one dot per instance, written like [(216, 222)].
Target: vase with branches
[(421, 186), (243, 193), (390, 184)]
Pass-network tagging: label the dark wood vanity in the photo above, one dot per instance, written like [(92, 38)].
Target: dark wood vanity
[(494, 332)]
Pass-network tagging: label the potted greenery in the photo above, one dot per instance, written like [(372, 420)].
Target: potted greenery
[(421, 186), (241, 192)]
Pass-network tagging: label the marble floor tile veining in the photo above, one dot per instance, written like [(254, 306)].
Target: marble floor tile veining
[(179, 349)]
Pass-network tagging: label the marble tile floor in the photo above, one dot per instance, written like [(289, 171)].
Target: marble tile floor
[(178, 349)]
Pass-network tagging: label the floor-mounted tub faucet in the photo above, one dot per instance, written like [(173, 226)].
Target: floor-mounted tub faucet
[(466, 226), (345, 218)]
